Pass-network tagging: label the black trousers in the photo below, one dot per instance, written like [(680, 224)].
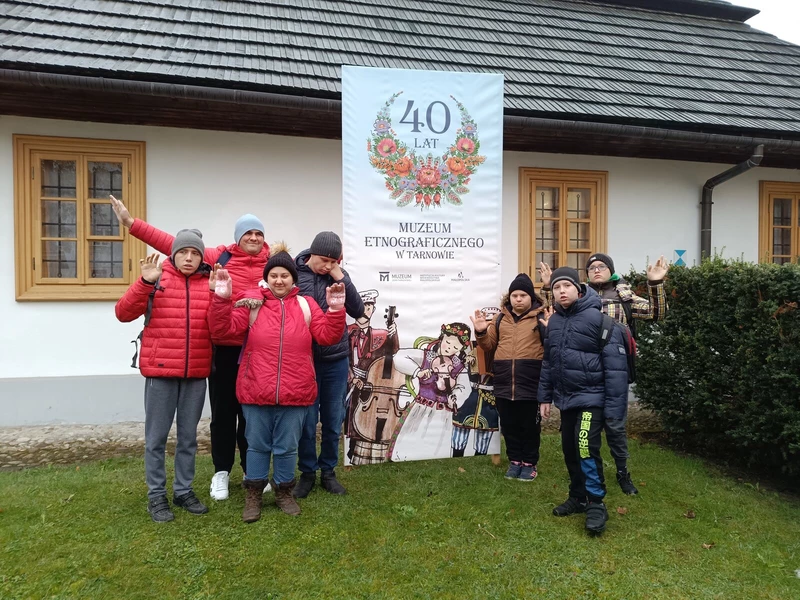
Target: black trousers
[(520, 424), (227, 420), (581, 438)]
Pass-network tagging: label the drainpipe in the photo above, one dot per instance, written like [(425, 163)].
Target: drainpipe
[(708, 191)]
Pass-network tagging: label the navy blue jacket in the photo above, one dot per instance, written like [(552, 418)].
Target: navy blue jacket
[(314, 285), (577, 371)]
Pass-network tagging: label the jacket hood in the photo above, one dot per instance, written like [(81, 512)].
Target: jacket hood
[(301, 259)]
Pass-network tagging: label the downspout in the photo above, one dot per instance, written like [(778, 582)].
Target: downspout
[(708, 191)]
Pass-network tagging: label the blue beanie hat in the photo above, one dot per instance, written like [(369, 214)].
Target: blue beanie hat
[(246, 223)]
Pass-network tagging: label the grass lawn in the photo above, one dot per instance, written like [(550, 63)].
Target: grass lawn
[(438, 529)]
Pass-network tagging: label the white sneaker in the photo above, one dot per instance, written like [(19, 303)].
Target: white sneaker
[(268, 488), (219, 485)]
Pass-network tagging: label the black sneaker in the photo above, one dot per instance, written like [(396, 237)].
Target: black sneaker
[(190, 503), (514, 468), (331, 484), (570, 507), (596, 517), (159, 510), (304, 485), (625, 483)]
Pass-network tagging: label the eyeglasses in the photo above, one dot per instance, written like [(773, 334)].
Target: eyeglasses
[(597, 268)]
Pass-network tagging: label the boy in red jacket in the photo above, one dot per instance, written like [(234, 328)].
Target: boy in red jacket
[(175, 359)]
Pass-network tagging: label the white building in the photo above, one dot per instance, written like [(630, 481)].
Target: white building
[(198, 112)]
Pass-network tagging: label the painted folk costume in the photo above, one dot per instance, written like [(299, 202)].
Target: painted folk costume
[(438, 376), (373, 404)]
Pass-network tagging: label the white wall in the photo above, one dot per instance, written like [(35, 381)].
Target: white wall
[(653, 206), (208, 179)]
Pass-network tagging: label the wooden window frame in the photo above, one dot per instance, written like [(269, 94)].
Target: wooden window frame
[(30, 286), (767, 190), (529, 179)]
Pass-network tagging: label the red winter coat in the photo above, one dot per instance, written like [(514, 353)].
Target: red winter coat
[(277, 365), (245, 270), (177, 341)]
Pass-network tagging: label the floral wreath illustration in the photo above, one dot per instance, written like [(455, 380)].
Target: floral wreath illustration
[(425, 179)]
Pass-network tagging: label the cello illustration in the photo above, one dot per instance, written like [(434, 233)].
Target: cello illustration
[(377, 409)]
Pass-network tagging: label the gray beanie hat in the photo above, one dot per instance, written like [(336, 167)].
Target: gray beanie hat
[(246, 223), (188, 238), (327, 243)]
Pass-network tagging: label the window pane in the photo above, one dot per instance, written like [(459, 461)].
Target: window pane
[(103, 220), (549, 258), (59, 219), (59, 259), (781, 241), (782, 211), (579, 203), (105, 260), (579, 236), (781, 260), (58, 178), (547, 202), (104, 179), (577, 260), (546, 235)]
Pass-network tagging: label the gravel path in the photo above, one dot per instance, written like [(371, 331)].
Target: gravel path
[(68, 444)]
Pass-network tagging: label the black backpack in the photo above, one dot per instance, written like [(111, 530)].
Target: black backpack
[(631, 349)]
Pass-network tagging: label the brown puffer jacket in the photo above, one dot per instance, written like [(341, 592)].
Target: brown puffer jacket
[(518, 353)]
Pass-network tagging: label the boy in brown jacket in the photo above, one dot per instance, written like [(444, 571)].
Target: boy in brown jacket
[(516, 341)]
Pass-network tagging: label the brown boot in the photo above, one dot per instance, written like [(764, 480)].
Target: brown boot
[(253, 499), (284, 498)]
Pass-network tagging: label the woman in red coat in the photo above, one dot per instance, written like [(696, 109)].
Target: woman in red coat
[(175, 359), (276, 380)]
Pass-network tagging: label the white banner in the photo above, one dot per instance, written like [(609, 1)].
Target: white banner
[(422, 198)]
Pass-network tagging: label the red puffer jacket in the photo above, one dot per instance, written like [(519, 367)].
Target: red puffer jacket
[(245, 270), (278, 364), (177, 341)]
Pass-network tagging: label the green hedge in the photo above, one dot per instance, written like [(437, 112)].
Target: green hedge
[(723, 369)]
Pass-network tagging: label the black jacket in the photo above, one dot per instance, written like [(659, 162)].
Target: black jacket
[(314, 285), (577, 371)]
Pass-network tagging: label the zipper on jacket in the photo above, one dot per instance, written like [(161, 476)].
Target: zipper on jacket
[(188, 323), (280, 351)]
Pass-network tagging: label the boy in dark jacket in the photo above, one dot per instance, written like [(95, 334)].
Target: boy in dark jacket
[(587, 379), (317, 269), (516, 343)]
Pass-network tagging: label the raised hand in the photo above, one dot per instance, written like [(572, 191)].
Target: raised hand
[(658, 271), (223, 285), (545, 272), (122, 213), (544, 316), (151, 268), (334, 296), (479, 323)]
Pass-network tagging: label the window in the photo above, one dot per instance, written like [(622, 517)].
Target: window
[(69, 245), (779, 222), (562, 218)]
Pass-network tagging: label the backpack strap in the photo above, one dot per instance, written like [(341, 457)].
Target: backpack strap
[(606, 328), (148, 312), (628, 310), (224, 258), (301, 300)]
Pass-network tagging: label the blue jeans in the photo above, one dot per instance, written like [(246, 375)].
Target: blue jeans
[(328, 408), (272, 431)]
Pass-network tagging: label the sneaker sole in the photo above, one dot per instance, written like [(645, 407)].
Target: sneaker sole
[(213, 497)]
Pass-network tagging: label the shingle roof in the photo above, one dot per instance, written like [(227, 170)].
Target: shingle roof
[(560, 58)]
